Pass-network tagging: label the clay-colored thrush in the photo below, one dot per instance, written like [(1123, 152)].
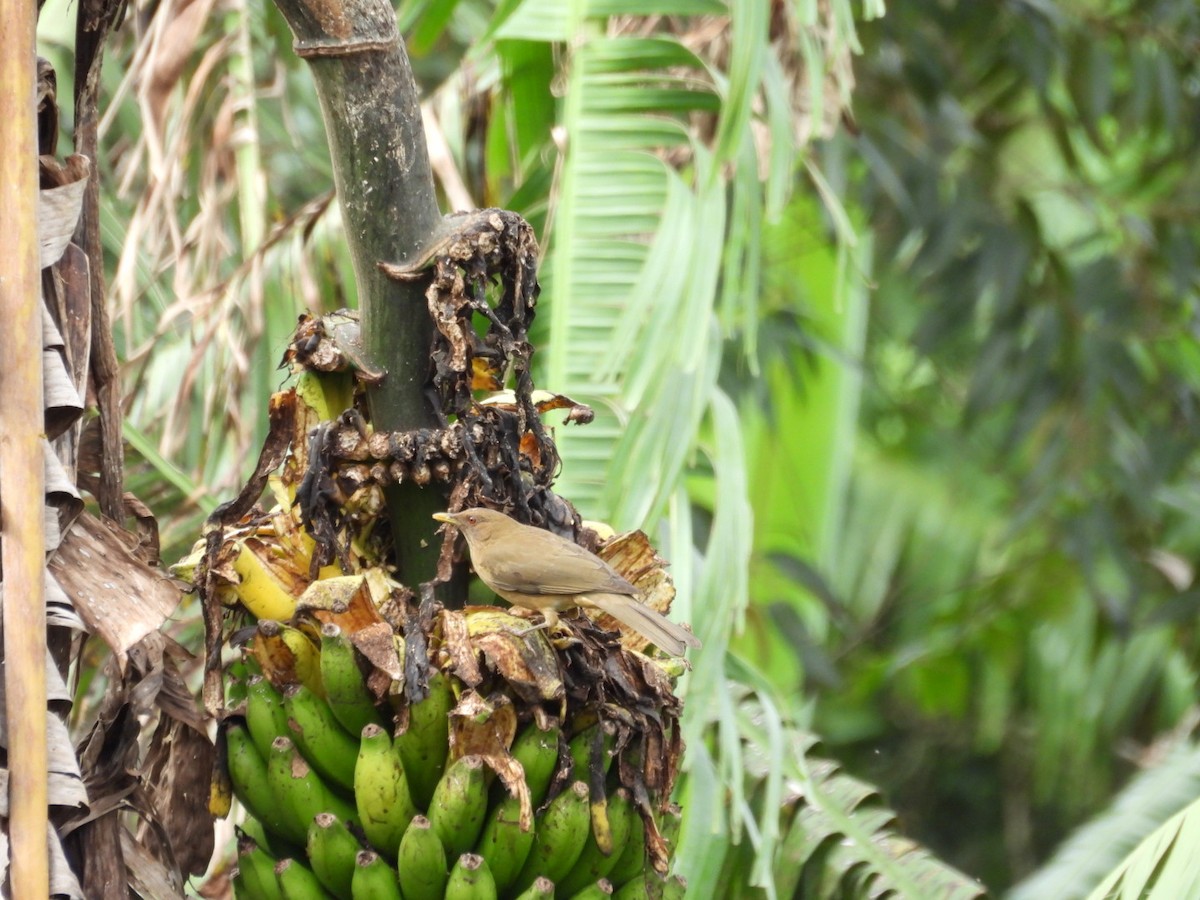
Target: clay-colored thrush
[(536, 569)]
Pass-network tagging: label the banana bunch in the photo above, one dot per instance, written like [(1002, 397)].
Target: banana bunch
[(333, 813), (350, 791)]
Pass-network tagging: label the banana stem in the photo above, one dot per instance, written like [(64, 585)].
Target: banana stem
[(381, 168)]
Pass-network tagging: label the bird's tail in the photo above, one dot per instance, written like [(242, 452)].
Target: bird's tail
[(656, 628)]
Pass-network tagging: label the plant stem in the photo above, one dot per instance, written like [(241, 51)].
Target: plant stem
[(22, 465), (381, 168)]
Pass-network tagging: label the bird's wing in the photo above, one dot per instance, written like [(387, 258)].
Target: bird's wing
[(565, 568)]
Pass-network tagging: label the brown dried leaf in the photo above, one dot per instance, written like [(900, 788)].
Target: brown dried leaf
[(523, 658), (59, 207), (632, 555), (486, 728), (377, 642), (119, 597), (457, 643)]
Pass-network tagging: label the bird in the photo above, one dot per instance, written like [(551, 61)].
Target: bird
[(539, 570)]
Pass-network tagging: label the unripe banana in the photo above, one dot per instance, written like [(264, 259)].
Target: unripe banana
[(593, 863), (638, 888), (537, 752), (470, 879), (297, 882), (541, 889), (331, 851), (632, 861), (373, 879), (562, 831), (287, 656), (503, 844), (265, 715), (650, 885), (319, 737), (597, 890), (308, 658), (276, 845), (422, 862), (261, 590), (592, 747), (300, 793), (250, 776), (459, 805), (425, 743), (349, 699), (256, 873), (381, 792)]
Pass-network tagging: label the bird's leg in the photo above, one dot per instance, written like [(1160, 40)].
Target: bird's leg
[(549, 622)]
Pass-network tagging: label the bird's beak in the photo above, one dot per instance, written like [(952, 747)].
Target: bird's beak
[(444, 517)]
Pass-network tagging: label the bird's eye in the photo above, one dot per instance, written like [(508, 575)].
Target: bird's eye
[(472, 520)]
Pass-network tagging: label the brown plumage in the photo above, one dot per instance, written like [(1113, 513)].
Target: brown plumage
[(536, 569)]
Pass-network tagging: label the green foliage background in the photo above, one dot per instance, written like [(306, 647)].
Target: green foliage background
[(891, 323)]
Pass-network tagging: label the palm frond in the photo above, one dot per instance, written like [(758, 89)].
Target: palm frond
[(1099, 847)]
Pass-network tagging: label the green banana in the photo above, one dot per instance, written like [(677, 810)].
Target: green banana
[(639, 888), (255, 879), (381, 791), (373, 878), (650, 885), (503, 844), (331, 850), (632, 862), (425, 743), (537, 752), (249, 773), (593, 744), (297, 882), (593, 863), (670, 822), (591, 757), (300, 793), (307, 656), (597, 890), (541, 889), (319, 736), (471, 879), (422, 862), (562, 831), (276, 845), (265, 716), (349, 700), (459, 805)]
